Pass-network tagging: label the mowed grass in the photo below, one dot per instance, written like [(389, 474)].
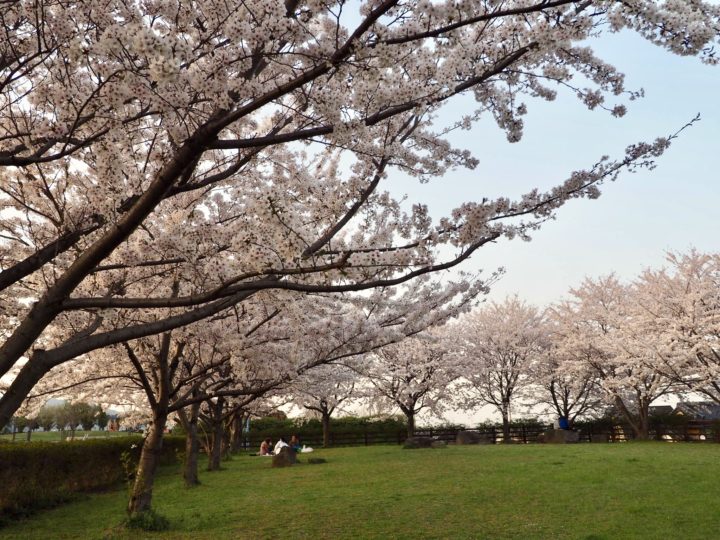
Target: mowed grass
[(585, 491)]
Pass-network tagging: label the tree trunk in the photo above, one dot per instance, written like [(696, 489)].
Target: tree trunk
[(29, 434), (192, 445), (142, 490), (643, 431), (192, 454), (640, 431), (326, 429), (218, 432), (237, 431), (14, 431), (506, 424), (410, 415), (227, 437)]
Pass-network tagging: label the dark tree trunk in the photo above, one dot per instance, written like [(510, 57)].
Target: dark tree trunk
[(227, 437), (192, 445), (29, 434), (142, 490), (192, 453), (217, 435), (506, 424), (237, 432), (643, 431), (326, 429), (410, 415)]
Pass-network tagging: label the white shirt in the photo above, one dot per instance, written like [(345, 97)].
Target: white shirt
[(278, 446)]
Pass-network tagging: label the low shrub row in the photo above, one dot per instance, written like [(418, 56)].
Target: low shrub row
[(344, 431), (42, 474), (309, 426)]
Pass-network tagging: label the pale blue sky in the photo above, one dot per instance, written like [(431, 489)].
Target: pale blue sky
[(639, 217)]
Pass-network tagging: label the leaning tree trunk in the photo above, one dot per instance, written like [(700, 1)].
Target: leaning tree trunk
[(141, 494), (638, 424), (326, 429)]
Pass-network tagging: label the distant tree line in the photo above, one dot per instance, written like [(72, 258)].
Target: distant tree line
[(66, 417)]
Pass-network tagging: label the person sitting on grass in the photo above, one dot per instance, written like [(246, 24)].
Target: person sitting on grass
[(281, 442), (265, 447), (295, 443)]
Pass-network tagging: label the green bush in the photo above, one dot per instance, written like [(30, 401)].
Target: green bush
[(42, 474), (312, 427), (345, 430)]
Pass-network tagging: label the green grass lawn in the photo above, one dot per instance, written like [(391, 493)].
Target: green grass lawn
[(585, 491)]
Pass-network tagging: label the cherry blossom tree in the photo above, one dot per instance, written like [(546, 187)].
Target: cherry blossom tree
[(603, 331), (497, 345), (679, 318), (571, 394), (243, 145), (216, 368), (324, 389), (414, 375)]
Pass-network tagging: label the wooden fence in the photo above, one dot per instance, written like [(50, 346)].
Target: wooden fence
[(693, 431)]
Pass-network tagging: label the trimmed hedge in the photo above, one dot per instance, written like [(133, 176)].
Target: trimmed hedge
[(345, 430), (42, 474)]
